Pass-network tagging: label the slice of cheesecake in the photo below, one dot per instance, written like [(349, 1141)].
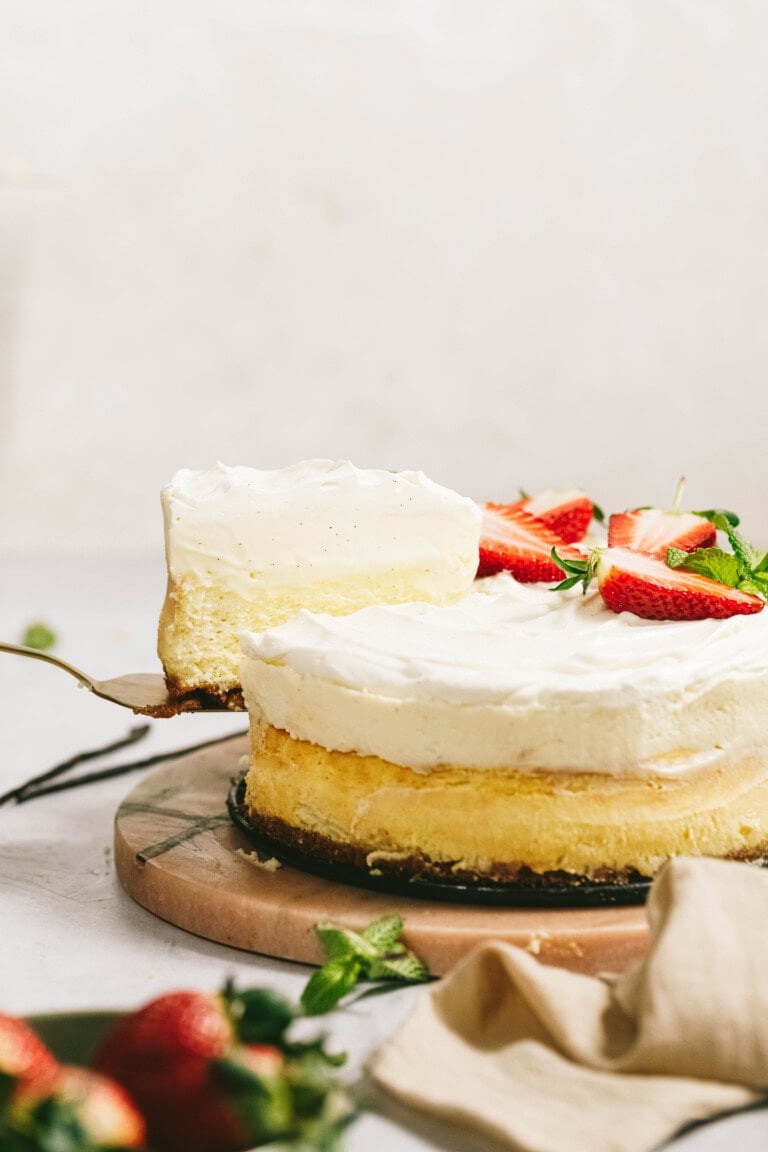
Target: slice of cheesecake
[(248, 549)]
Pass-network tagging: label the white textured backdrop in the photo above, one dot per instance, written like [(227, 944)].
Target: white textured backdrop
[(511, 242)]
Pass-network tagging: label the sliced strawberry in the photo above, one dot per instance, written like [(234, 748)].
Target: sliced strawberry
[(631, 581), (654, 530), (566, 512), (103, 1109), (79, 1101), (23, 1056), (512, 540)]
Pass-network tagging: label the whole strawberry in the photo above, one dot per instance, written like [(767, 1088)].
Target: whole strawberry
[(205, 1071)]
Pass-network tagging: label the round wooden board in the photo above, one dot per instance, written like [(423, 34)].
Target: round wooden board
[(178, 854)]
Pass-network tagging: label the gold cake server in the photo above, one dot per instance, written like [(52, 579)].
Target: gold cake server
[(143, 692)]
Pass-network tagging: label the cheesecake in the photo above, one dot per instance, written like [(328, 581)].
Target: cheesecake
[(248, 549), (522, 735)]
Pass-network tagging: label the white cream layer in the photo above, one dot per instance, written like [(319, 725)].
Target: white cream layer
[(515, 675), (241, 528)]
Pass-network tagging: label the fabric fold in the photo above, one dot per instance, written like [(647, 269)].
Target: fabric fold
[(546, 1060)]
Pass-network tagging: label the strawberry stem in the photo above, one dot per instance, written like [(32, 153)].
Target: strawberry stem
[(678, 504), (577, 571)]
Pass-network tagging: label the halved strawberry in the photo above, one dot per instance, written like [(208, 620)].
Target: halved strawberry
[(630, 581), (512, 540), (23, 1056), (82, 1109), (566, 511), (103, 1109), (654, 530)]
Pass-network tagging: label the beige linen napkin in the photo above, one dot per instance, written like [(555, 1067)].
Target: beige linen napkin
[(546, 1060)]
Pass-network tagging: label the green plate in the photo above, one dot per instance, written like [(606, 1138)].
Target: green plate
[(73, 1037)]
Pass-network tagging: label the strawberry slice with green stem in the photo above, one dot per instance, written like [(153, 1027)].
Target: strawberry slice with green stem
[(24, 1059), (512, 540), (654, 530), (635, 582), (82, 1111)]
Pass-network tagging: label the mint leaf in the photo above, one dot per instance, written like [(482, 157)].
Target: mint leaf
[(39, 636), (742, 549), (374, 954), (712, 562), (711, 513), (382, 934), (754, 588), (329, 984), (342, 943), (744, 567), (408, 968)]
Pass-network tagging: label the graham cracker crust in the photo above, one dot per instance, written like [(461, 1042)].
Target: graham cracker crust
[(187, 699), (418, 867)]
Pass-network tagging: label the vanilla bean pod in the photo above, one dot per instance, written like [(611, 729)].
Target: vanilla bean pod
[(121, 769), (138, 732)]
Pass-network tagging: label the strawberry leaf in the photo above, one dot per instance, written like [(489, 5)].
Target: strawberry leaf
[(7, 1085), (323, 1132), (51, 1126), (263, 1105), (571, 582), (578, 571), (260, 1016)]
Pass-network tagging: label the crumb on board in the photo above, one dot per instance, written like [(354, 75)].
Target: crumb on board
[(266, 864), (535, 941)]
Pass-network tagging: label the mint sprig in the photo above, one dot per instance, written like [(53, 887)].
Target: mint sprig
[(744, 567), (375, 954)]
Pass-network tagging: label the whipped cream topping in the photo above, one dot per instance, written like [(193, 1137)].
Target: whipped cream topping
[(515, 675), (243, 527)]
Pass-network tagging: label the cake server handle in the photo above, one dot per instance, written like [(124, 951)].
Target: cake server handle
[(37, 654), (143, 692)]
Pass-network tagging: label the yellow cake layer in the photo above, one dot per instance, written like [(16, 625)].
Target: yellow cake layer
[(199, 623), (466, 818)]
